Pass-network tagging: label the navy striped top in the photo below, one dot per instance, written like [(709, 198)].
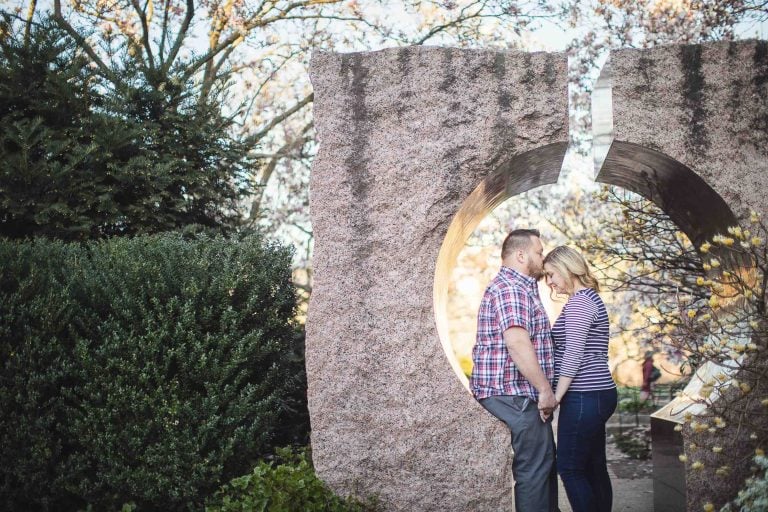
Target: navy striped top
[(580, 335)]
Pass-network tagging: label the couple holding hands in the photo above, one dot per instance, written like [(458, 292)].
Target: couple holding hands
[(524, 370)]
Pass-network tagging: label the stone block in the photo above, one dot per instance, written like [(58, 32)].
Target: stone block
[(406, 135)]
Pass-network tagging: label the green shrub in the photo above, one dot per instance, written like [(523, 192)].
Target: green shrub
[(754, 496), (146, 370), (290, 486), (635, 442), (632, 405)]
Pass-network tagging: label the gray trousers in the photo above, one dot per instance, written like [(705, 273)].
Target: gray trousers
[(533, 465)]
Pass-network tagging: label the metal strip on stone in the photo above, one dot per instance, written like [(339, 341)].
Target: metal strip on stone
[(704, 107), (405, 136)]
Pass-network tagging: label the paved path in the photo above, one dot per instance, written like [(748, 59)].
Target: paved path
[(632, 483)]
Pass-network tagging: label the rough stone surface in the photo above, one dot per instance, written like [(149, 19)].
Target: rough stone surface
[(705, 106), (405, 136)]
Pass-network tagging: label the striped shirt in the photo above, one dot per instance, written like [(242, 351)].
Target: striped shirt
[(580, 334), (511, 300)]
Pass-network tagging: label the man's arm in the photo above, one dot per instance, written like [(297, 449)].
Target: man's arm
[(523, 355)]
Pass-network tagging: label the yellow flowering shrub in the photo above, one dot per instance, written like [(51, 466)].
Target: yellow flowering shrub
[(728, 329)]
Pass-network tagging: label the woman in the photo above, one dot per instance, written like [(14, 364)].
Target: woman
[(585, 389)]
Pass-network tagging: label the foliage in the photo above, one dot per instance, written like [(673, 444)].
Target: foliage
[(754, 496), (264, 48), (82, 160), (289, 485), (635, 442), (651, 264), (146, 370), (646, 23), (632, 404), (729, 332)]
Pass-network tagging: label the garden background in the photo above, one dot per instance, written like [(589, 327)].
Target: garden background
[(157, 250)]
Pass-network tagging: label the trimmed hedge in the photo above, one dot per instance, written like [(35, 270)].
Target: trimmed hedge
[(146, 370)]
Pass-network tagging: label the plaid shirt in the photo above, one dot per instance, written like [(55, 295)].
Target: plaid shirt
[(511, 300)]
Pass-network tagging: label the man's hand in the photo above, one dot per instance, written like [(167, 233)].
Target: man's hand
[(547, 404), (523, 355)]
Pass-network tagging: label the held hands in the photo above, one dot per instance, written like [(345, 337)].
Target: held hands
[(547, 404)]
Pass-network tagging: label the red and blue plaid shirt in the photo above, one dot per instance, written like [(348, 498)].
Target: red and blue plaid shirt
[(511, 300)]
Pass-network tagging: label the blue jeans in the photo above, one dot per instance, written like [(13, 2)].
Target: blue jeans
[(581, 449), (533, 465)]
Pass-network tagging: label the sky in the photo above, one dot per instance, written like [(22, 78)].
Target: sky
[(551, 36)]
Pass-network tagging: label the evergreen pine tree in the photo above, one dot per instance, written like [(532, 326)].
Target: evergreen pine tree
[(81, 158)]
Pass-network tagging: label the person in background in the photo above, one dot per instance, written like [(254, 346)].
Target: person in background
[(584, 388), (514, 367), (650, 375)]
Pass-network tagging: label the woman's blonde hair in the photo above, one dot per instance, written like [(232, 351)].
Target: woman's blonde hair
[(569, 262)]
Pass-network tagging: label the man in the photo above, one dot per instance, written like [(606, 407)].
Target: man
[(514, 368)]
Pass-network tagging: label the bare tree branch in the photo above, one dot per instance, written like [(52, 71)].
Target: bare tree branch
[(28, 25), (256, 137), (82, 43), (256, 21), (182, 34), (266, 172), (144, 30), (164, 29)]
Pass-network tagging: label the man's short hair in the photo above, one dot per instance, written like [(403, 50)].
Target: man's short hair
[(518, 240)]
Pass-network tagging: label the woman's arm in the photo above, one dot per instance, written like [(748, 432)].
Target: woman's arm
[(563, 383), (579, 314)]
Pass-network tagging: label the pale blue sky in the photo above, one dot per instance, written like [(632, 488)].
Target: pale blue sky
[(555, 37)]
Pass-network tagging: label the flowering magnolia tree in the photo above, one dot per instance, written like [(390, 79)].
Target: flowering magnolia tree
[(643, 256), (252, 57), (643, 260), (729, 332)]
